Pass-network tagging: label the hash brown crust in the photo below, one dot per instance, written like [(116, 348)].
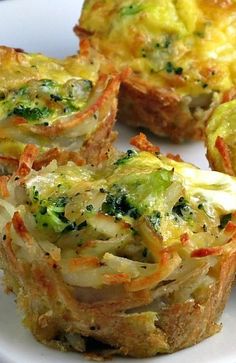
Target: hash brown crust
[(175, 306)]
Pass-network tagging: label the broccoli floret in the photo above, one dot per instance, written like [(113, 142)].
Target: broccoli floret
[(31, 114), (224, 220), (131, 9), (51, 213), (183, 209), (129, 154), (118, 205)]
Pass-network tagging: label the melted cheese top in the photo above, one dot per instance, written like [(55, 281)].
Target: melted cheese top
[(186, 44), (175, 197)]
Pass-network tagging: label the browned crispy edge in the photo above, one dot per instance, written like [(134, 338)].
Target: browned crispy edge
[(193, 321), (224, 163), (100, 144), (160, 110)]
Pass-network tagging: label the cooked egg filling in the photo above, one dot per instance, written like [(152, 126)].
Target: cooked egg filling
[(40, 92), (188, 44), (43, 102), (126, 214)]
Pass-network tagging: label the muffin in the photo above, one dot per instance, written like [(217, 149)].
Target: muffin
[(182, 54), (67, 108), (136, 257)]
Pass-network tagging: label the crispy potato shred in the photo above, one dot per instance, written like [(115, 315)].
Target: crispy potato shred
[(141, 142), (3, 186), (93, 252), (225, 154), (26, 160)]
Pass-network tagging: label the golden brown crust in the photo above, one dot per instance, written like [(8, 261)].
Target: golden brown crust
[(97, 148), (188, 323), (176, 305), (160, 110), (59, 312), (141, 143)]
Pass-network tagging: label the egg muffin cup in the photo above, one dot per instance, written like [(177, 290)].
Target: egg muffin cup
[(65, 107), (181, 54), (135, 258)]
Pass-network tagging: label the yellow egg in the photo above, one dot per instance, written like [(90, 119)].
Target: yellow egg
[(182, 54)]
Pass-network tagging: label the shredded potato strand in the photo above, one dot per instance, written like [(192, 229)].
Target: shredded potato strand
[(224, 151), (26, 160), (3, 186)]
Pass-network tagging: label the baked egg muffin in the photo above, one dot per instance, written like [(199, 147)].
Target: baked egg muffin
[(182, 53), (138, 254), (221, 138), (65, 107)]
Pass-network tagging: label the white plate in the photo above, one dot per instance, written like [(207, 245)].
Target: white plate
[(46, 26)]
